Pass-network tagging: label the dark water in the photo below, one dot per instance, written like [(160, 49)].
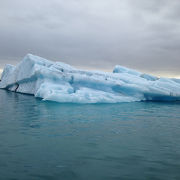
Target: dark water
[(50, 141)]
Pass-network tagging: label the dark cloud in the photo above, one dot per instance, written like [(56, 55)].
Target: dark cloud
[(96, 34)]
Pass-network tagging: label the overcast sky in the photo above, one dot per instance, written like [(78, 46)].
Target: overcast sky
[(95, 34)]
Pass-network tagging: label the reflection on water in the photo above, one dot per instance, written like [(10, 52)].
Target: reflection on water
[(47, 140)]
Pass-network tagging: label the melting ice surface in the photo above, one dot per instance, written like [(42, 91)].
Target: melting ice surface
[(61, 82)]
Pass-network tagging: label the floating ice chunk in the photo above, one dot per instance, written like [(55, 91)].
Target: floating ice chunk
[(57, 81)]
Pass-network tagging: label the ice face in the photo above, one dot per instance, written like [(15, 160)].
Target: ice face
[(61, 82)]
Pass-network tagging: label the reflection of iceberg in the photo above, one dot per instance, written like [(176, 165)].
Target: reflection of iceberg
[(60, 82)]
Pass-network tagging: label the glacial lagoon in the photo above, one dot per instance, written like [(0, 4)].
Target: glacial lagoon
[(63, 141)]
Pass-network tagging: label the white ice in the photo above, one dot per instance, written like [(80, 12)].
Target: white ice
[(57, 81)]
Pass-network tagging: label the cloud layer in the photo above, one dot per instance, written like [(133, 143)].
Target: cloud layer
[(96, 34)]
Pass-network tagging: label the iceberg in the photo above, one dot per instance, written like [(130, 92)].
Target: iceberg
[(57, 81)]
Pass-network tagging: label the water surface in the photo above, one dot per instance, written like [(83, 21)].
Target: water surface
[(52, 141)]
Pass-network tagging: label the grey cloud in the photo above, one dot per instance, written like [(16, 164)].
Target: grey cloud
[(96, 34)]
